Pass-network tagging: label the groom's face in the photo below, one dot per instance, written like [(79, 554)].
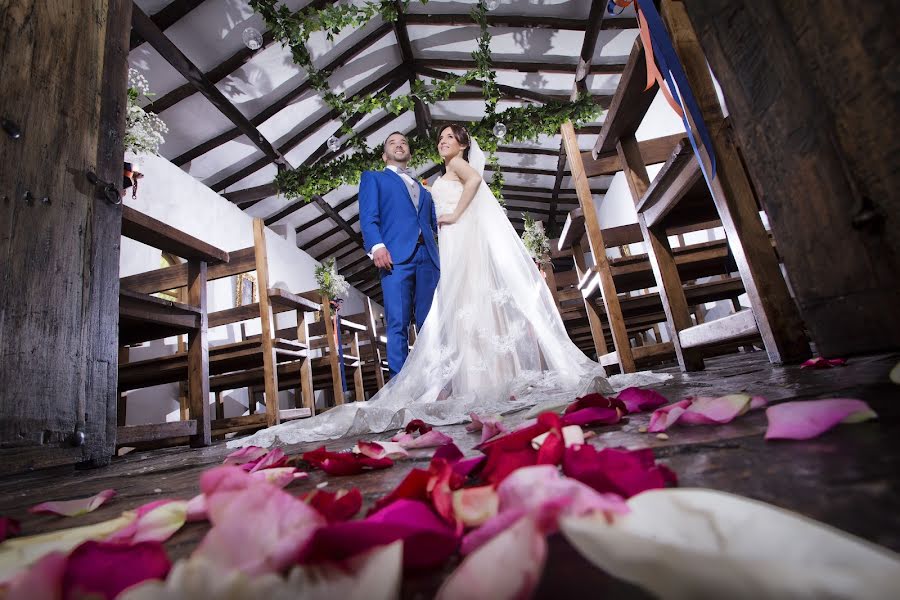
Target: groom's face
[(396, 150)]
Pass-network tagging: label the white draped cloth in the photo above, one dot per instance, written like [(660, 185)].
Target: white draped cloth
[(493, 341)]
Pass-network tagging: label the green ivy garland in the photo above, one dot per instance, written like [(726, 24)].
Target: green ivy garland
[(523, 123)]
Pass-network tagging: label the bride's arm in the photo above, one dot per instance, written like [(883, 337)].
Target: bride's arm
[(471, 181)]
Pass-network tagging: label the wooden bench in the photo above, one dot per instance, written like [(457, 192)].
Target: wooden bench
[(143, 318)]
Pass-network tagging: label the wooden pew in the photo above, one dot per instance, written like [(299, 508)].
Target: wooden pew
[(143, 317)]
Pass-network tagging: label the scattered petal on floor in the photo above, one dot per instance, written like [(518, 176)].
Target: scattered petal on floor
[(379, 450), (473, 506), (704, 410), (427, 540), (103, 570), (280, 476), (431, 439), (336, 507), (196, 508), (666, 416), (489, 426), (9, 528), (344, 463), (272, 460), (807, 419), (154, 522), (823, 363), (709, 544), (42, 581), (639, 399), (593, 415), (245, 455), (507, 567), (594, 401), (417, 426), (73, 508), (256, 527), (449, 452), (616, 471)]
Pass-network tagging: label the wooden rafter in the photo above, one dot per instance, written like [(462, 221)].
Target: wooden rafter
[(165, 18), (505, 89), (611, 67), (283, 102), (542, 22), (147, 29)]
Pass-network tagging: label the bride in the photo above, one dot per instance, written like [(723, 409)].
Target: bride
[(493, 341)]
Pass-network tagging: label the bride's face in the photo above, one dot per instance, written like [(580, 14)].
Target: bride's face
[(448, 145)]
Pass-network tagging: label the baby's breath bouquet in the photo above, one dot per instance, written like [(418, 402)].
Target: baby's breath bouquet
[(330, 282), (536, 241), (144, 131)]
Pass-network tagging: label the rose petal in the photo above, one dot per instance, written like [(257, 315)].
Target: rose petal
[(245, 455), (572, 435), (280, 476), (43, 580), (449, 453), (379, 450), (508, 566), (417, 425), (593, 415), (413, 487), (73, 508), (430, 439), (594, 401), (467, 466), (639, 400), (427, 540), (666, 416), (196, 509), (336, 507), (273, 459), (611, 470), (344, 463), (500, 463), (104, 570), (823, 363), (473, 506), (809, 418), (724, 409), (154, 522), (256, 527), (8, 528)]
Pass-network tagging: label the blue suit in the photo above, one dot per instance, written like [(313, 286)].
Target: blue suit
[(388, 216)]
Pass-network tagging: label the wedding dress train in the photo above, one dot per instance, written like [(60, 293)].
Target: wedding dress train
[(493, 341)]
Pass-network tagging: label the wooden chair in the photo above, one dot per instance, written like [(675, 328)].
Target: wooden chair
[(143, 318), (773, 315), (372, 349), (256, 361)]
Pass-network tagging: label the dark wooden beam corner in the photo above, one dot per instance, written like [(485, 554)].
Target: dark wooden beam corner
[(165, 18)]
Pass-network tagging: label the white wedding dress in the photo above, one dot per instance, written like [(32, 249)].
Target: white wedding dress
[(493, 341)]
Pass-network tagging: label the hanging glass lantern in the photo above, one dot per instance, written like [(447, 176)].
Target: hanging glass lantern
[(491, 4), (252, 38), (499, 129)]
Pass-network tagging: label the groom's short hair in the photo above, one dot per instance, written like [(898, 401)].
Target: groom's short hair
[(384, 145)]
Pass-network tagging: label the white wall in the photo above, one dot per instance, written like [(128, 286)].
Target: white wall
[(170, 195)]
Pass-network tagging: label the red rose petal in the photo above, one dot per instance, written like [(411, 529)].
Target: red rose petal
[(593, 415), (335, 506), (418, 426), (103, 570), (344, 463), (622, 472), (8, 528)]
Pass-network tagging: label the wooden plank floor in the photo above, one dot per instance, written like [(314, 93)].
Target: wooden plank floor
[(848, 478)]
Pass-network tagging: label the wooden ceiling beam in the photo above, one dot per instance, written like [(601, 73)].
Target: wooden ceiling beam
[(613, 66), (165, 18), (147, 29), (505, 89), (283, 102), (542, 22)]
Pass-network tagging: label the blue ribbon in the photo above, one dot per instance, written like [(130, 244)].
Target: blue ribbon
[(674, 75)]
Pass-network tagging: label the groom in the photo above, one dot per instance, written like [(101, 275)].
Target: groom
[(397, 219)]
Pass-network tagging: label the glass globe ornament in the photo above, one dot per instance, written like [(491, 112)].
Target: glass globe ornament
[(334, 144), (252, 38), (499, 130), (491, 4)]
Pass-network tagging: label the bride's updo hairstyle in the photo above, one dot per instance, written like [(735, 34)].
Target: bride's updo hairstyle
[(461, 135)]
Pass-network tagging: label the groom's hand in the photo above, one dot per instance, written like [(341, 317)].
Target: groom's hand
[(383, 259)]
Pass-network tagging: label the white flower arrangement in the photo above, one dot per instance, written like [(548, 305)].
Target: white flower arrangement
[(330, 282), (144, 132), (536, 241)]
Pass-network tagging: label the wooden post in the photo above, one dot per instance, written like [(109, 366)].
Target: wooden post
[(305, 391), (593, 315), (824, 167), (776, 314), (358, 390), (270, 370), (662, 260), (198, 356), (372, 330), (122, 401), (550, 279), (333, 356), (598, 250)]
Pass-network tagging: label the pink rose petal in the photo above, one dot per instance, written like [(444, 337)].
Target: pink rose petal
[(196, 509), (807, 419), (611, 470), (430, 439), (104, 570), (245, 455), (666, 416), (42, 580), (280, 476), (639, 400), (272, 460), (73, 508), (256, 527), (594, 401), (155, 522), (473, 506), (465, 467), (715, 411), (823, 363), (427, 540), (379, 450), (8, 528), (508, 566), (593, 415), (488, 426)]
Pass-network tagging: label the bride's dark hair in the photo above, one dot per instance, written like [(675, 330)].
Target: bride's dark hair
[(461, 135)]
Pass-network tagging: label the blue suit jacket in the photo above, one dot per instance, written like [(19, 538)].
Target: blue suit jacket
[(388, 216)]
